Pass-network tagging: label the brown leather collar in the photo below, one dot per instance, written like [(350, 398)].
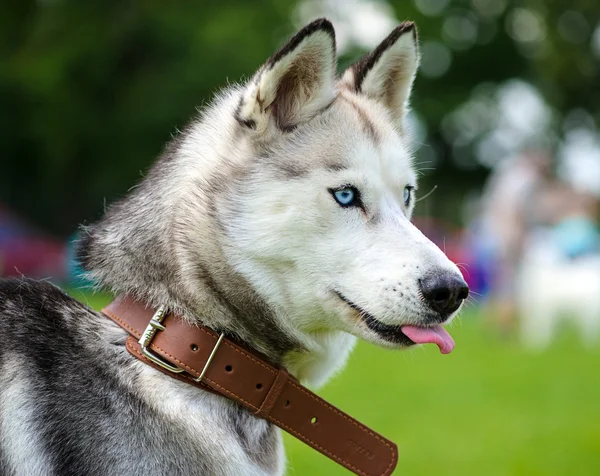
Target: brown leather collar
[(226, 368)]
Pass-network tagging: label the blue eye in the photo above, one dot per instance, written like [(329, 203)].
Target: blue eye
[(407, 195), (346, 196)]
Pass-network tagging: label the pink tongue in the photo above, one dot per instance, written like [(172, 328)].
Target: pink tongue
[(434, 335)]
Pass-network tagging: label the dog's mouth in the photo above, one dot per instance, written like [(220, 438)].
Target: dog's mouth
[(404, 334)]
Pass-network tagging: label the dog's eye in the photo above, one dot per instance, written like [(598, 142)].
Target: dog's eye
[(407, 195), (346, 196)]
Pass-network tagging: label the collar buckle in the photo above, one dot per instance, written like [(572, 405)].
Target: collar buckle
[(152, 328)]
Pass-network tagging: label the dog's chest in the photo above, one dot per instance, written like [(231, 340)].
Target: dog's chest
[(231, 439)]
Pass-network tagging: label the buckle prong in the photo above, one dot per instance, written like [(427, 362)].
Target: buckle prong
[(210, 358), (152, 328)]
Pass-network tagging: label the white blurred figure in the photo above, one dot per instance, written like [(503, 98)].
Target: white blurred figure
[(505, 220), (560, 272)]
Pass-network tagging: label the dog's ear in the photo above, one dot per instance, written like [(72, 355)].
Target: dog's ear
[(388, 72), (295, 83)]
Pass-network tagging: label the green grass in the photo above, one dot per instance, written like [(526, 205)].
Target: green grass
[(490, 408)]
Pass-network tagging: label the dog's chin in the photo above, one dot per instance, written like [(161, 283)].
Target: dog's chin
[(384, 334), (375, 330), (395, 336)]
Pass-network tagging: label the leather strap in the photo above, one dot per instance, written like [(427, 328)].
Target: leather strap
[(267, 391)]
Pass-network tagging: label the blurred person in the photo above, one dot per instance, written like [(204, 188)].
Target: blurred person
[(507, 213), (560, 270), (575, 232)]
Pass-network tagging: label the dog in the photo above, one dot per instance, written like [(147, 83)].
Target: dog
[(280, 216)]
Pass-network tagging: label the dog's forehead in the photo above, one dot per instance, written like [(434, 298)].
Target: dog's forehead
[(354, 136), (370, 142)]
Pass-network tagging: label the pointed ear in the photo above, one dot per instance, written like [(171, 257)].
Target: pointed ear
[(387, 73), (295, 83)]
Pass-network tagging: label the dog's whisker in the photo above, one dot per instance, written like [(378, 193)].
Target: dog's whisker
[(427, 194)]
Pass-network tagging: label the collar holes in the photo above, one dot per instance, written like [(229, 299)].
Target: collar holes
[(228, 368), (259, 386), (313, 420), (194, 347)]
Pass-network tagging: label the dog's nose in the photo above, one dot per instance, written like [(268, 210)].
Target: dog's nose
[(444, 292)]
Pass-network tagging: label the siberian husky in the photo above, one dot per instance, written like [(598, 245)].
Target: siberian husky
[(281, 216)]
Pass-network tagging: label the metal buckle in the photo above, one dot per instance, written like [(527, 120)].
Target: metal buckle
[(156, 325), (152, 328), (210, 358)]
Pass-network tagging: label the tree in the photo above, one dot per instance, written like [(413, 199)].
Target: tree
[(91, 91)]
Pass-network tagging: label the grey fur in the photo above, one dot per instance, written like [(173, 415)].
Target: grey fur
[(84, 403)]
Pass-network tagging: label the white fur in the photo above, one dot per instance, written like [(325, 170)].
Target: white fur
[(198, 416), (20, 440), (296, 260)]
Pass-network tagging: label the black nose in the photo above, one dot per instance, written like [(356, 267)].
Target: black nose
[(444, 292)]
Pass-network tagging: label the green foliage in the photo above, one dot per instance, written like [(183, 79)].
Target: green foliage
[(547, 44), (91, 91)]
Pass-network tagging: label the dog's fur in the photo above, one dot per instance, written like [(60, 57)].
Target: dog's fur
[(236, 227)]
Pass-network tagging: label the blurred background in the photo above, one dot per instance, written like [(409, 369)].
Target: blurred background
[(504, 121)]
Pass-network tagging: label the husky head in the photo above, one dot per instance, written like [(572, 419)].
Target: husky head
[(282, 215)]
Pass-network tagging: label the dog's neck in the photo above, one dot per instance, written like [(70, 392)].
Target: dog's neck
[(214, 296), (163, 244)]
